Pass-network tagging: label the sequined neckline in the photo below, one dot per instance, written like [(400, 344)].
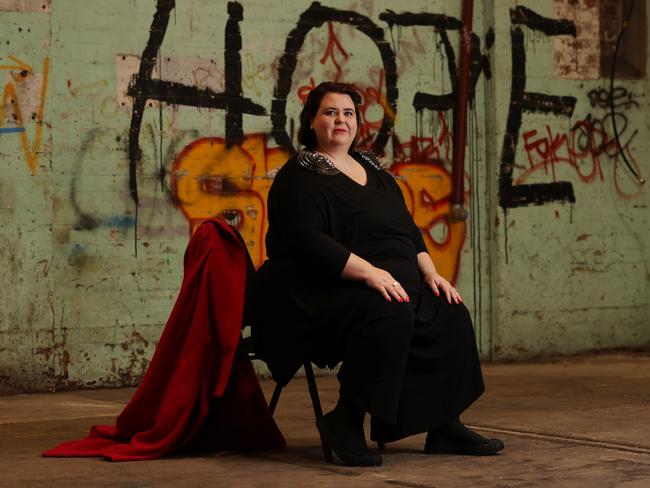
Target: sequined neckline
[(321, 164)]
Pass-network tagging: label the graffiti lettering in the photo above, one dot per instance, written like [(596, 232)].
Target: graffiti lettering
[(586, 146), (143, 87), (22, 74), (512, 195), (622, 98), (230, 177), (479, 63), (315, 16)]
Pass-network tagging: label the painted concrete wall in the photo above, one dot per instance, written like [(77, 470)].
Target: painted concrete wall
[(569, 259), (542, 271)]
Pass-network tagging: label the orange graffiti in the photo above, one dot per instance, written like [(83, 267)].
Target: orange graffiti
[(427, 190), (211, 179), (23, 70)]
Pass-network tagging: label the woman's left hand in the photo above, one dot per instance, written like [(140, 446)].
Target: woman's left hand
[(440, 285)]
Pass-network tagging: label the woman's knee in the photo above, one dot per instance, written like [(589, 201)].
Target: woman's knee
[(389, 319), (460, 322)]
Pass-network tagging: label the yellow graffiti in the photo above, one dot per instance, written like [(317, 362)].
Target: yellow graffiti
[(9, 94), (427, 189), (211, 179)]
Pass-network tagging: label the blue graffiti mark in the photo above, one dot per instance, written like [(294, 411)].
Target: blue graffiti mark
[(77, 255), (11, 130), (122, 222)]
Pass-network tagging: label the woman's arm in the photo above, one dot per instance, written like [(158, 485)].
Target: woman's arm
[(358, 269), (434, 280), (298, 220), (425, 264)]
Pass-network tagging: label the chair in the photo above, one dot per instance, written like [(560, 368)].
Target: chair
[(246, 350)]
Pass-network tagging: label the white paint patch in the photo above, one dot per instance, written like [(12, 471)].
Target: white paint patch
[(199, 72), (27, 96)]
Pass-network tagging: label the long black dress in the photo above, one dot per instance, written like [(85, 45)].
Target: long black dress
[(413, 366)]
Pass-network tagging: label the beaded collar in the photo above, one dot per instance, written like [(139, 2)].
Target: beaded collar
[(321, 164)]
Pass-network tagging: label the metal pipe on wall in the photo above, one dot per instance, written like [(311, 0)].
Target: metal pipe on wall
[(458, 211)]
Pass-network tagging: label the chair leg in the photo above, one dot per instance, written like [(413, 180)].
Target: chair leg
[(275, 397), (318, 411)]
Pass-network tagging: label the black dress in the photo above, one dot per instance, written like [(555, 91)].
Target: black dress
[(413, 366)]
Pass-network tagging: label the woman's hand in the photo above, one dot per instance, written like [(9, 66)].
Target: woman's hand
[(440, 285), (376, 278), (382, 281)]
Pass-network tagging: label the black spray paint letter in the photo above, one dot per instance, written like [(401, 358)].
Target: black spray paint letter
[(315, 16), (442, 23), (143, 87), (522, 101)]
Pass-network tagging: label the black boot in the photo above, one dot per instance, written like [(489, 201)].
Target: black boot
[(342, 429), (455, 438)]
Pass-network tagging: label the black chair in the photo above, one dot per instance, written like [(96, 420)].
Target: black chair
[(246, 350)]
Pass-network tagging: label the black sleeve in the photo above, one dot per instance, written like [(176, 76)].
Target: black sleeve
[(302, 215), (416, 234)]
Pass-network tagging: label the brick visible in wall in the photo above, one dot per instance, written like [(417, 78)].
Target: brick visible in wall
[(578, 57)]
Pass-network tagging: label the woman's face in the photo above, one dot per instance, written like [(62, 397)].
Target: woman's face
[(335, 123)]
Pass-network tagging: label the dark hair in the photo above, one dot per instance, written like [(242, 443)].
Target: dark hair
[(306, 135)]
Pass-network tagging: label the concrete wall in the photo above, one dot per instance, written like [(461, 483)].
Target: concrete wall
[(570, 255), (548, 269)]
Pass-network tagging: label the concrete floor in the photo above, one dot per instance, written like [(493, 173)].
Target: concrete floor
[(571, 422)]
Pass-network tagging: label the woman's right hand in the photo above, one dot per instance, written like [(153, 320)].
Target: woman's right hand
[(378, 279), (382, 281)]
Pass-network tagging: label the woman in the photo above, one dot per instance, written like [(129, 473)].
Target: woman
[(349, 279)]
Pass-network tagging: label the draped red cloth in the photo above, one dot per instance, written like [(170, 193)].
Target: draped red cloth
[(193, 396)]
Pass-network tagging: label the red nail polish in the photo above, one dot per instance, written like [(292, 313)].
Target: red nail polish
[(400, 300)]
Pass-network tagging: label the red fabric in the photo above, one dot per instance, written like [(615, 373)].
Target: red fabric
[(192, 397)]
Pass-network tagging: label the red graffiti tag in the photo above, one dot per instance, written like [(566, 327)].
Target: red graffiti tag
[(584, 148)]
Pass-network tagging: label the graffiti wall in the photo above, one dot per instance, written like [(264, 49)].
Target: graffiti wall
[(571, 247), (124, 129)]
